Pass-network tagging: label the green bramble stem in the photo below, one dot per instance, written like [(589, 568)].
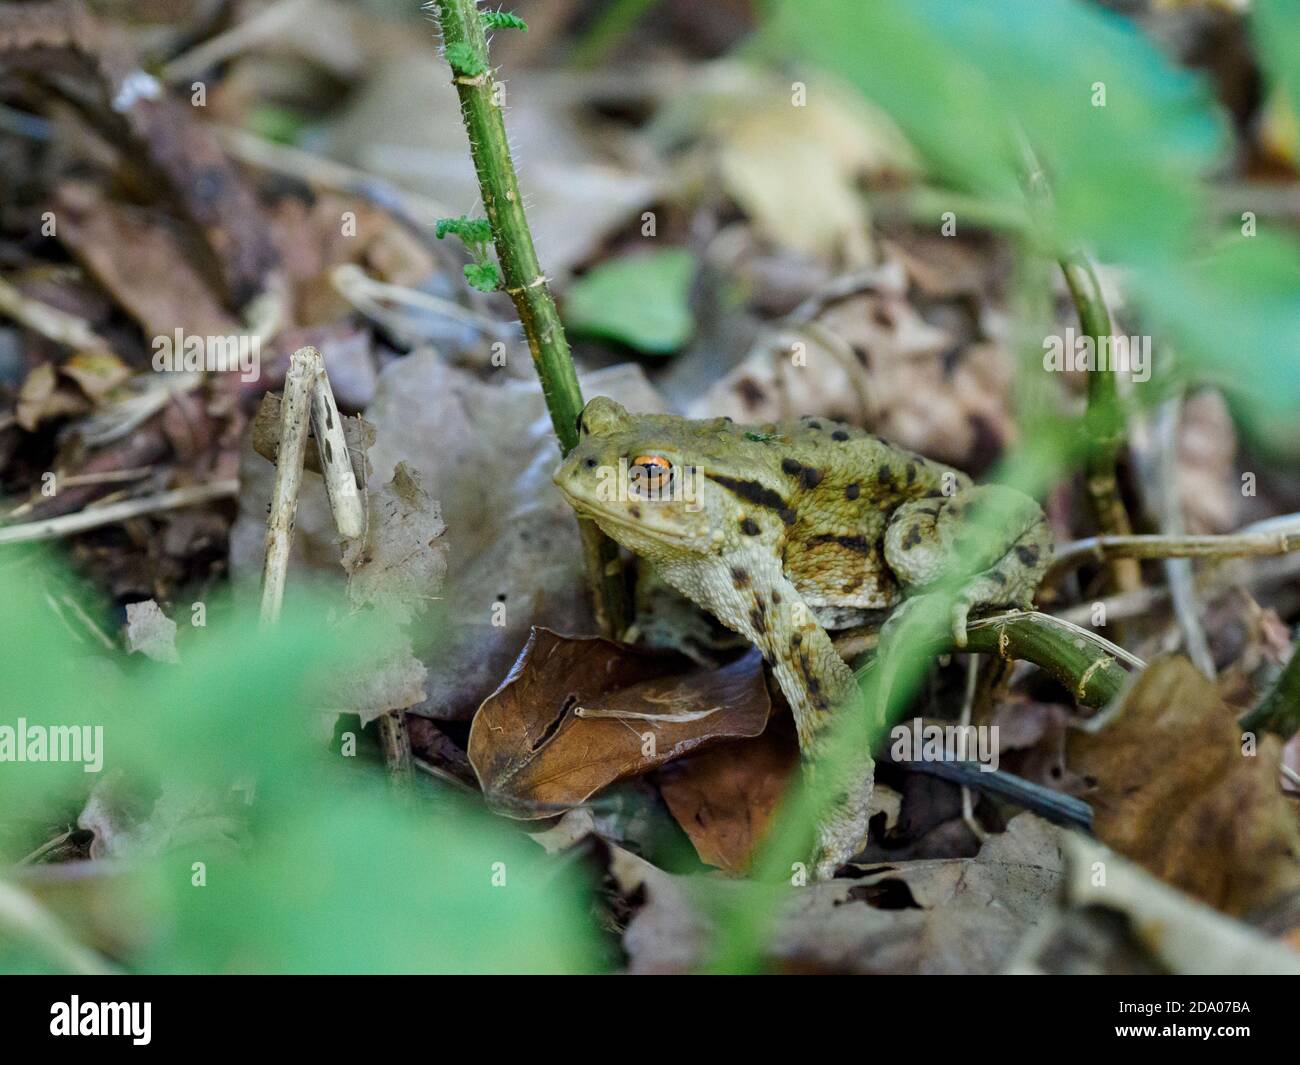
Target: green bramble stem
[(1104, 420), (467, 52), (1279, 711)]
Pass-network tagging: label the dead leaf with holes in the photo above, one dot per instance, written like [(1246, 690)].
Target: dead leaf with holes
[(395, 570), (578, 713), (1178, 793), (150, 632)]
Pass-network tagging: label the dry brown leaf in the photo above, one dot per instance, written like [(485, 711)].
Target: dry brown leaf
[(578, 713), (959, 915), (724, 797), (1176, 793), (97, 373), (519, 559), (41, 398), (1119, 919), (796, 171), (140, 259)]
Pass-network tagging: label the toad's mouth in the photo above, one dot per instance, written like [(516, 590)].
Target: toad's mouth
[(603, 516)]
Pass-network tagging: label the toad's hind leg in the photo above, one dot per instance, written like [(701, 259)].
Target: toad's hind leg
[(992, 542)]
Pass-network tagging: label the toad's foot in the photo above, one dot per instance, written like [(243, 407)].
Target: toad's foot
[(842, 829), (991, 542)]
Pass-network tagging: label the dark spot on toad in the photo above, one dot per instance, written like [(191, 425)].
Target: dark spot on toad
[(1027, 555), (749, 527), (851, 491), (810, 478), (739, 577), (791, 466), (860, 544), (839, 434)]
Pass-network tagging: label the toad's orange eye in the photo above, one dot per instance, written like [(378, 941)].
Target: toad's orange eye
[(652, 472)]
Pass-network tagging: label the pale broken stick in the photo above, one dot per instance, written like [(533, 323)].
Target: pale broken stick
[(308, 403), (295, 420), (335, 460)]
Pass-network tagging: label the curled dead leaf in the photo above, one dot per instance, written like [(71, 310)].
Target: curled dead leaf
[(578, 713)]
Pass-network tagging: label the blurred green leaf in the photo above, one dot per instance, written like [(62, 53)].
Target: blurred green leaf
[(331, 874), (641, 300), (1276, 26), (965, 80), (353, 883)]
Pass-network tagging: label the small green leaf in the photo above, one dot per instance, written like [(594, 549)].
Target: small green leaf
[(503, 20), (483, 276), (471, 230), (760, 438), (464, 60), (641, 301)]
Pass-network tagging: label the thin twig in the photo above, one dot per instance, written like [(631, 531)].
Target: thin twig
[(50, 322), (1178, 571), (1238, 545), (967, 704), (1232, 575), (111, 514), (1056, 807), (395, 739)]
